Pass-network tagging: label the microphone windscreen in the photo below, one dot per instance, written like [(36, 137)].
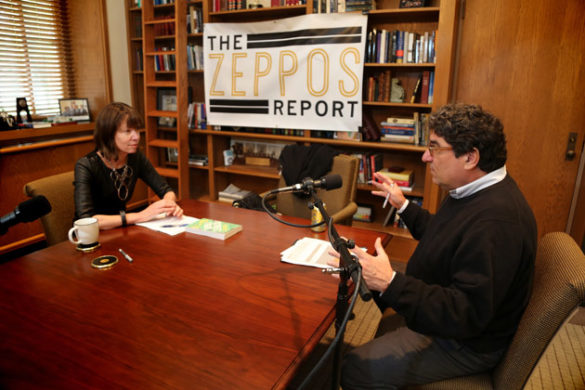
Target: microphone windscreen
[(332, 182), (33, 208)]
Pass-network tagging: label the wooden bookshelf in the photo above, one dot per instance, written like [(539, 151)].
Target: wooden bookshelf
[(204, 182)]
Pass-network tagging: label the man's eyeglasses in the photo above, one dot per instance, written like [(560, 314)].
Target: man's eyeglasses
[(434, 148)]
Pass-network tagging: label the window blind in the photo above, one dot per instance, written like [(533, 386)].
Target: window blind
[(35, 55)]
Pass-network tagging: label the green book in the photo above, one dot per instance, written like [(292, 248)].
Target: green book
[(212, 228)]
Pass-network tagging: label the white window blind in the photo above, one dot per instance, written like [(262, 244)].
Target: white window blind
[(35, 56)]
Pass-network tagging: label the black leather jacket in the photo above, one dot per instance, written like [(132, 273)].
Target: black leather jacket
[(94, 188)]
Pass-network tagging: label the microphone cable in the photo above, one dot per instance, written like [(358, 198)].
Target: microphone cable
[(338, 336), (273, 215)]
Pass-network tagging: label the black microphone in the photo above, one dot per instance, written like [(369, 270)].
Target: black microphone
[(27, 211), (329, 182)]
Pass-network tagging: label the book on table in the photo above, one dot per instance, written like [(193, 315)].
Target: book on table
[(214, 228)]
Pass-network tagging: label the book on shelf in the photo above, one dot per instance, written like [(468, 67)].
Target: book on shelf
[(233, 192), (400, 139), (401, 176), (363, 213), (416, 90), (213, 228), (424, 93), (198, 159)]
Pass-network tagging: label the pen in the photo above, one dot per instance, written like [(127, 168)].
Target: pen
[(125, 255), (386, 201), (173, 226)]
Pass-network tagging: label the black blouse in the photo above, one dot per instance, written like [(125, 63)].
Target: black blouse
[(95, 192)]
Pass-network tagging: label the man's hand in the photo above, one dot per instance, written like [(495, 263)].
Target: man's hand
[(388, 187), (376, 270)]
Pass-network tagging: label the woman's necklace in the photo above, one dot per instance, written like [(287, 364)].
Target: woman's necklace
[(120, 177)]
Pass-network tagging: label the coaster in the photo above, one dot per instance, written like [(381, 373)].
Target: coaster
[(88, 248), (104, 262)]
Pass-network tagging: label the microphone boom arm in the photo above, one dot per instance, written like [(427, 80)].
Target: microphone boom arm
[(347, 261)]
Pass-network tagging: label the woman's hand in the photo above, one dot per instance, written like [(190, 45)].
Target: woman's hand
[(163, 206)]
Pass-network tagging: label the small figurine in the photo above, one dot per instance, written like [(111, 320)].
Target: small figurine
[(397, 92)]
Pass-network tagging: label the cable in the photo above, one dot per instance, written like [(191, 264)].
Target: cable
[(271, 213), (339, 334)]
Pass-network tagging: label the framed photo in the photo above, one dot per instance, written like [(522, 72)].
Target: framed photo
[(172, 155), (77, 109), (167, 101)]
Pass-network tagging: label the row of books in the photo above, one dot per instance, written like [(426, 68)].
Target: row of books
[(424, 88), (164, 29), (383, 88), (194, 57), (232, 5), (396, 46), (162, 2), (379, 87), (261, 130), (413, 130), (370, 162), (194, 20), (336, 6), (139, 63), (164, 62), (196, 116)]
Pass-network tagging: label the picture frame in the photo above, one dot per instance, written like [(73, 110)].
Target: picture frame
[(77, 109), (166, 101), (172, 155), (22, 111)]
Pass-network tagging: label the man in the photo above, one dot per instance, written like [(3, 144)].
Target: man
[(470, 277)]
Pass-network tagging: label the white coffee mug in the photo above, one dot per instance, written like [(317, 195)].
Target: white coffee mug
[(85, 231)]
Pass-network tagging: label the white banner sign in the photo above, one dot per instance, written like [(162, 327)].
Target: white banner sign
[(303, 72)]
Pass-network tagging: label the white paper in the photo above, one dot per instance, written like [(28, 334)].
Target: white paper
[(309, 251), (169, 225)]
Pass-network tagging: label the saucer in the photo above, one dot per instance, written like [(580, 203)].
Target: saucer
[(87, 248)]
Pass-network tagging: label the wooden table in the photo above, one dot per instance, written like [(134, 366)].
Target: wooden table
[(189, 312)]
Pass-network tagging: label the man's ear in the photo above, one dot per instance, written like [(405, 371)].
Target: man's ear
[(472, 159)]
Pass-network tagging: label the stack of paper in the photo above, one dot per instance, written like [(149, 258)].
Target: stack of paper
[(309, 251), (169, 225)]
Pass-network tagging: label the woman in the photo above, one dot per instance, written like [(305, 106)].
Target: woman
[(105, 178)]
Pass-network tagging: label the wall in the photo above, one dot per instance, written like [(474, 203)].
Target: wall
[(90, 53), (523, 61), (119, 68)]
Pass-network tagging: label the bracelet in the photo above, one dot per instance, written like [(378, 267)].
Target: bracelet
[(123, 216)]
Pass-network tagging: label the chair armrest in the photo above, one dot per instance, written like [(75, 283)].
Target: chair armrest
[(345, 215)]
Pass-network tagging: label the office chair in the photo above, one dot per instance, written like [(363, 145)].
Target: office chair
[(58, 189), (340, 203), (559, 289)]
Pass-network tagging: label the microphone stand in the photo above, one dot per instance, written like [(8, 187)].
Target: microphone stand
[(348, 267)]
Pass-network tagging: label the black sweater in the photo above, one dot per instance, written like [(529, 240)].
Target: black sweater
[(471, 274), (94, 188)]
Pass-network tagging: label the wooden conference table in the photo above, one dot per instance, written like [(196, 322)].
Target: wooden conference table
[(190, 311)]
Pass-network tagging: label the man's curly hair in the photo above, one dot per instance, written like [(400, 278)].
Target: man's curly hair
[(468, 126)]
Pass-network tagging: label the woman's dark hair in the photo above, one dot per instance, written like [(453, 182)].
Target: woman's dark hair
[(468, 126), (107, 123)]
